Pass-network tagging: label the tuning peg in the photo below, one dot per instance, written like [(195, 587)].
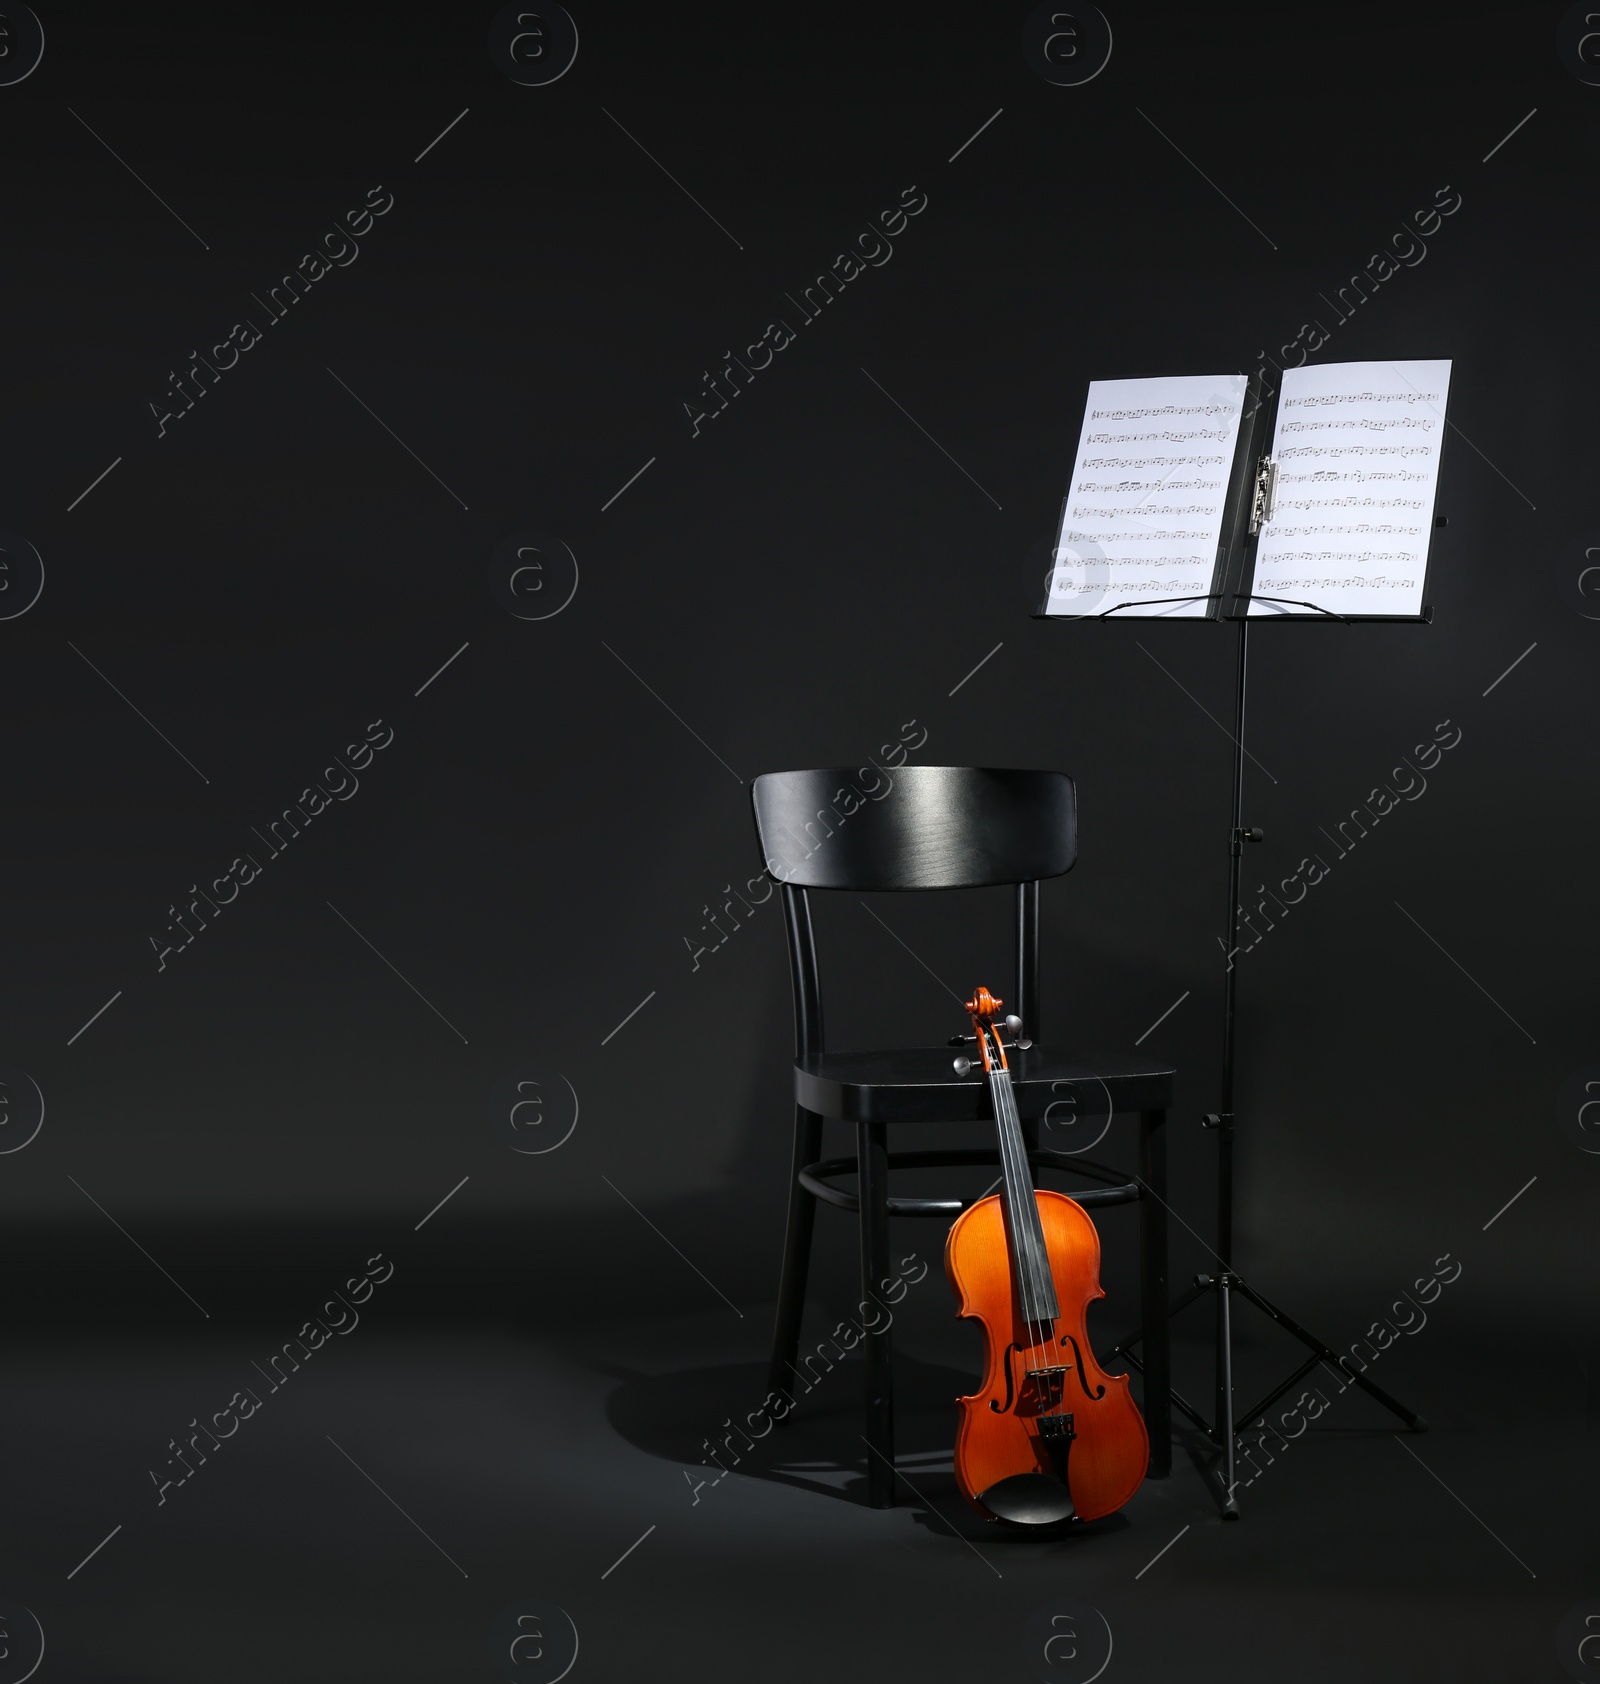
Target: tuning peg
[(1013, 1024), (1024, 1042), (961, 1066)]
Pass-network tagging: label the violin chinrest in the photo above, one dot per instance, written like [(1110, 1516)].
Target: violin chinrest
[(1029, 1499)]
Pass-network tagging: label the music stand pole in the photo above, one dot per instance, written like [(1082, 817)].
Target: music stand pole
[(1225, 1282), (1222, 1428), (1224, 1278)]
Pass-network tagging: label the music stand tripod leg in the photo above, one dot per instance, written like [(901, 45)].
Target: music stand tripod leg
[(1416, 1422), (1223, 1473)]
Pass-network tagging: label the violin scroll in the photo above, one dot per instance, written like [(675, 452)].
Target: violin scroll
[(983, 1005)]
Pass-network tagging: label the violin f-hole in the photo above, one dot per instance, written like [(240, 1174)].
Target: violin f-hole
[(994, 1403), (1099, 1391)]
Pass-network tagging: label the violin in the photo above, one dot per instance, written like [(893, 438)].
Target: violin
[(1049, 1436)]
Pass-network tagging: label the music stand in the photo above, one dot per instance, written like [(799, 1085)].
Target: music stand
[(1250, 501)]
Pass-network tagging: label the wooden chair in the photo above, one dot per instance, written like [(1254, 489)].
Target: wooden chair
[(940, 827)]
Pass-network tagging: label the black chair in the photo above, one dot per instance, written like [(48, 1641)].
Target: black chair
[(940, 827)]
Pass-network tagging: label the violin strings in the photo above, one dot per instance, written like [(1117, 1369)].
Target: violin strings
[(1053, 1342), (1008, 1171), (1032, 1253), (1027, 1234), (1044, 1285), (1035, 1282), (1035, 1290)]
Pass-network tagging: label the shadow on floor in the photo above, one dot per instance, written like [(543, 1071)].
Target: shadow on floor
[(700, 1418)]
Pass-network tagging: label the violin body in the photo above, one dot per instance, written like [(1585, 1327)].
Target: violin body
[(1005, 1427)]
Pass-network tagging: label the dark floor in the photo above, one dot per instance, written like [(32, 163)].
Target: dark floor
[(393, 1505)]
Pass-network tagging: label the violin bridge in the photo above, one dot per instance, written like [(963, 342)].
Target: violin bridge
[(1043, 1389)]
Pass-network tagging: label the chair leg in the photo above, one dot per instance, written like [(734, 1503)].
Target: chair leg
[(872, 1159), (796, 1256), (1153, 1290)]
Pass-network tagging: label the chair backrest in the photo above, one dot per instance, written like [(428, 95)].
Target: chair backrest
[(917, 827)]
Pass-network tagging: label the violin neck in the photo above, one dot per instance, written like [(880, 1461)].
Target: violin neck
[(1030, 1263)]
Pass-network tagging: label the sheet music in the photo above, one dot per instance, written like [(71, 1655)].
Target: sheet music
[(1357, 447), (1144, 512)]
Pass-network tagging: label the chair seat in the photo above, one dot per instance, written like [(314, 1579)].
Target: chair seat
[(817, 1179), (919, 1085)]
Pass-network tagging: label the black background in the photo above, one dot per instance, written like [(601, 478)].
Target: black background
[(791, 587)]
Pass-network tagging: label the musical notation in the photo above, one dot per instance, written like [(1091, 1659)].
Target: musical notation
[(1331, 465), (1125, 537), (1369, 423), (1334, 451), (1369, 399)]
